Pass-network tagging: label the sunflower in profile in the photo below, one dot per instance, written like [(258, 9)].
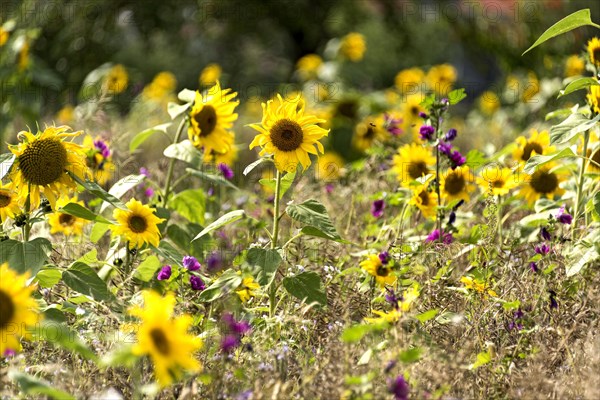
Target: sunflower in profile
[(538, 143), (210, 75), (247, 288), (457, 184), (544, 182), (137, 224), (593, 98), (288, 134), (500, 181), (382, 272), (369, 131), (99, 159), (425, 200), (9, 202), (412, 162), (67, 224), (165, 338), (18, 310), (593, 48), (212, 118), (43, 163), (308, 66)]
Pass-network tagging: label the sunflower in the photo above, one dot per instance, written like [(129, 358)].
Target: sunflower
[(308, 66), (369, 131), (353, 46), (66, 114), (99, 159), (593, 48), (440, 78), (489, 102), (532, 87), (43, 161), (574, 66), (593, 153), (593, 98), (409, 79), (425, 200), (210, 75), (457, 184), (4, 34), (116, 80), (211, 119), (542, 183), (9, 202), (538, 143), (228, 158), (161, 87), (68, 224), (165, 338), (288, 134), (382, 273), (412, 162), (137, 224), (247, 288), (499, 180), (329, 166), (18, 310), (477, 285), (408, 298)]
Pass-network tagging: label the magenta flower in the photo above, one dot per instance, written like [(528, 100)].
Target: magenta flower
[(543, 249), (377, 208), (329, 188), (545, 234), (229, 343), (236, 327), (164, 273), (563, 217), (457, 159), (226, 171), (399, 388), (144, 171), (426, 132), (102, 147), (197, 283), (191, 264), (392, 125), (214, 262), (384, 257), (445, 148), (533, 266), (149, 192), (435, 236), (451, 135)]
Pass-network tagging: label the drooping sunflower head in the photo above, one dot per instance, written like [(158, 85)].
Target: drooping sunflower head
[(228, 158), (456, 184), (496, 180), (593, 98), (212, 118), (164, 338), (440, 78), (382, 273), (43, 163), (538, 143), (18, 310), (68, 224), (593, 48), (368, 132), (117, 79), (425, 200), (288, 134), (10, 202), (413, 161), (137, 224), (544, 182)]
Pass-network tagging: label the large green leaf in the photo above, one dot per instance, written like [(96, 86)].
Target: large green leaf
[(97, 191), (306, 286), (285, 184), (185, 151), (80, 211), (570, 22), (537, 160), (123, 186), (190, 204), (266, 261), (25, 256), (83, 279), (456, 96), (355, 333), (144, 135), (578, 84), (6, 161), (226, 283), (222, 221), (176, 110), (314, 216), (210, 177), (182, 234), (33, 386), (98, 230), (48, 277), (574, 124), (147, 268)]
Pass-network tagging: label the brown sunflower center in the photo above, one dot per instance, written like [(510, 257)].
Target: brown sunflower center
[(137, 223), (596, 158), (286, 135), (382, 271), (454, 184), (498, 183), (424, 196), (596, 54), (7, 310), (544, 182), (4, 200), (417, 169), (369, 133), (414, 110), (43, 161), (347, 109), (66, 219), (161, 343), (529, 147), (207, 120)]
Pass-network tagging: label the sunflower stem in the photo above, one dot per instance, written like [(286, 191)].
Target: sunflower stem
[(126, 265), (499, 216), (578, 198), (437, 190), (273, 287), (167, 189)]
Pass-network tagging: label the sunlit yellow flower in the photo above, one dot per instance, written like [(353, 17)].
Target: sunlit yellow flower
[(410, 108), (43, 162), (477, 285), (409, 79), (162, 86), (457, 184), (382, 272), (537, 144), (308, 66), (210, 75), (412, 162), (499, 180), (408, 298), (66, 114), (288, 134), (137, 224), (247, 289), (353, 46), (593, 48), (542, 183), (99, 159), (9, 202), (532, 87), (4, 34), (229, 157), (117, 79), (19, 312), (440, 78), (489, 102), (425, 200), (67, 224), (593, 98), (212, 118), (329, 166), (368, 132), (165, 338), (574, 65)]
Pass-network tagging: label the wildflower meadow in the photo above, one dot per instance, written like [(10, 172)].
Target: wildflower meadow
[(300, 200)]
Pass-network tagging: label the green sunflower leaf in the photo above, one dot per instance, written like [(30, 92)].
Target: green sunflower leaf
[(190, 204), (570, 127), (285, 184), (97, 191), (144, 135), (83, 279), (314, 216), (538, 160), (176, 110), (77, 210), (266, 261), (31, 385), (225, 284), (255, 164), (222, 221), (210, 177), (48, 277), (25, 256), (578, 84), (306, 286), (456, 96), (185, 151), (147, 268)]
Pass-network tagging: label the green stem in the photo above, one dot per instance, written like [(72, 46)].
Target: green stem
[(437, 191), (499, 206), (126, 264), (578, 199), (167, 188), (273, 287)]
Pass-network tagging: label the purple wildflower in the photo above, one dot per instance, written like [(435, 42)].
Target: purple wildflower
[(553, 302), (144, 171), (384, 257), (543, 249), (226, 171), (164, 273), (390, 365), (399, 388), (236, 327), (210, 191), (9, 353), (445, 148), (149, 192), (457, 159), (545, 234), (451, 135), (229, 343), (426, 132), (377, 208), (329, 188), (102, 147), (214, 262), (392, 125), (392, 298), (435, 236), (191, 263), (245, 395), (423, 115), (533, 266), (197, 283), (563, 217)]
